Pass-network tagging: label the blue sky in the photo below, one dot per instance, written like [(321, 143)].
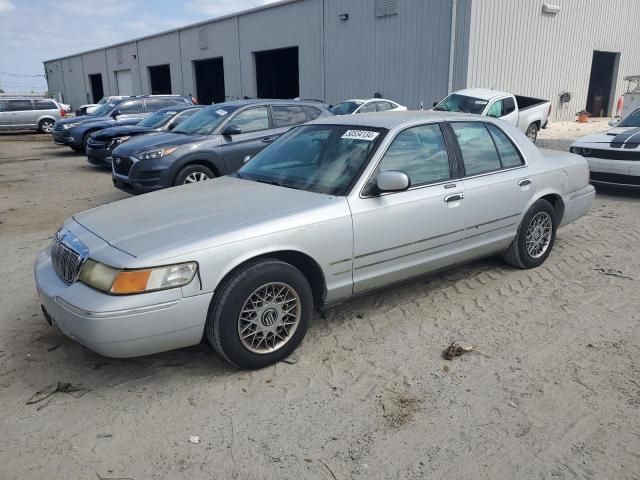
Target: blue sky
[(32, 31)]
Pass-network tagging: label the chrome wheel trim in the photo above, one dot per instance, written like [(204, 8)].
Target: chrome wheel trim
[(539, 234), (196, 177), (47, 127), (269, 318)]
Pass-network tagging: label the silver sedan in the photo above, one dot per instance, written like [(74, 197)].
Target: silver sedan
[(332, 209)]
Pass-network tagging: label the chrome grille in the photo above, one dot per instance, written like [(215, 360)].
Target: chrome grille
[(66, 261)]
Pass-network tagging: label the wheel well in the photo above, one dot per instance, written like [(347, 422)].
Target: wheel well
[(205, 163), (307, 266), (558, 204), (45, 119), (536, 123)]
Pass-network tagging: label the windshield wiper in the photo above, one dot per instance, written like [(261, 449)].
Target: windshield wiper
[(273, 182)]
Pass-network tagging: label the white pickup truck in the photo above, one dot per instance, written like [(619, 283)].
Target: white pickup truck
[(528, 114)]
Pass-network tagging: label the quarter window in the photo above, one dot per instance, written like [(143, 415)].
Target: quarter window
[(384, 106), (509, 105), (19, 105), (284, 116), (252, 120), (45, 105), (479, 153), (368, 107), (421, 153), (509, 156), (312, 112)]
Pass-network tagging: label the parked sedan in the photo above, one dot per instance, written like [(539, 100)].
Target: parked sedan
[(102, 142), (358, 105), (614, 155), (213, 142), (331, 209)]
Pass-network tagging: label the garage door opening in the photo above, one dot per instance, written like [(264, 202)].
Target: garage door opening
[(209, 80), (160, 79), (97, 91), (602, 85), (277, 73)]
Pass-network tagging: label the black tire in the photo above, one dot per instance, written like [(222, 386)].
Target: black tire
[(45, 125), (517, 254), (191, 170), (77, 149), (532, 132), (222, 327)]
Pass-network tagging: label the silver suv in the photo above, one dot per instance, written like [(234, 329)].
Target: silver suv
[(23, 113)]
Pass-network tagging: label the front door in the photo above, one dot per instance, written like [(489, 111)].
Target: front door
[(256, 134), (403, 234)]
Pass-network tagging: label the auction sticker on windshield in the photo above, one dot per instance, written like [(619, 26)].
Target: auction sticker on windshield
[(221, 112), (367, 135)]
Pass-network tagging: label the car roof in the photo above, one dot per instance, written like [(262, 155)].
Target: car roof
[(263, 101), (363, 100), (482, 93), (390, 120), (26, 98), (180, 108)]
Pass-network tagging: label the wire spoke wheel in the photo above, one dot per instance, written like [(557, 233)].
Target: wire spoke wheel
[(539, 234), (269, 318)]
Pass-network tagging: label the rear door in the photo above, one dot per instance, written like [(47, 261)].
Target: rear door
[(256, 132), (21, 113)]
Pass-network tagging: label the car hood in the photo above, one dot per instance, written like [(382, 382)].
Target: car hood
[(173, 220), (615, 135), (121, 131), (83, 119), (147, 142)]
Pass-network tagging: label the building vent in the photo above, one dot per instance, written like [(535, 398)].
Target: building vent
[(203, 37), (386, 7), (119, 54)]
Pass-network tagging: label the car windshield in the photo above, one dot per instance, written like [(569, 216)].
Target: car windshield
[(104, 109), (157, 119), (462, 103), (317, 158), (346, 108), (205, 121), (631, 120), (103, 100)]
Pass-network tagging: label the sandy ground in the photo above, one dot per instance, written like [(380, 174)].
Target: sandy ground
[(556, 395)]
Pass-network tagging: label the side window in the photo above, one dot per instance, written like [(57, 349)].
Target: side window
[(181, 117), (312, 112), (384, 106), (252, 120), (509, 156), (155, 104), (19, 105), (509, 106), (421, 153), (283, 116), (495, 110), (45, 105), (132, 106), (479, 153), (3, 106), (368, 107)]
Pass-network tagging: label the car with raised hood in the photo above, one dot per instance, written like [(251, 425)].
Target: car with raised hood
[(527, 113), (366, 105), (101, 143), (75, 132), (89, 108), (213, 142), (334, 208), (614, 155)]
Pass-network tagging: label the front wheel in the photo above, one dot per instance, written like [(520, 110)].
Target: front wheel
[(532, 132), (260, 314), (535, 238), (193, 174), (46, 126)]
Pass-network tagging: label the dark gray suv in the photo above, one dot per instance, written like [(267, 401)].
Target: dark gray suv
[(213, 142)]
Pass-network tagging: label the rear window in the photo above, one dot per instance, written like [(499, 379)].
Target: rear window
[(45, 105)]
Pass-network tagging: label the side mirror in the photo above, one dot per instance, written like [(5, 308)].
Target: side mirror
[(392, 181), (246, 159), (116, 113), (231, 130), (172, 126), (614, 123)]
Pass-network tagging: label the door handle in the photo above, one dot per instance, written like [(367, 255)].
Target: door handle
[(268, 139), (524, 182), (454, 197)]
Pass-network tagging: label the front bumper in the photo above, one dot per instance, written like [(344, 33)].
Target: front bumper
[(120, 326), (64, 137), (98, 156), (142, 176), (625, 173)]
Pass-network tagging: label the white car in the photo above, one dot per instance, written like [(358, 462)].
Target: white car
[(88, 108), (614, 155), (359, 105)]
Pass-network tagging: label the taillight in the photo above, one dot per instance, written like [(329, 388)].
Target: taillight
[(63, 113)]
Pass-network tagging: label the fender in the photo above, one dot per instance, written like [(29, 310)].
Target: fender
[(207, 158)]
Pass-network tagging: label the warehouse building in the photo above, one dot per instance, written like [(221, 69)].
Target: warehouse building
[(411, 51)]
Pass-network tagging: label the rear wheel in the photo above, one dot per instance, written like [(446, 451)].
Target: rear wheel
[(193, 174), (532, 132), (46, 125), (260, 314), (535, 238)]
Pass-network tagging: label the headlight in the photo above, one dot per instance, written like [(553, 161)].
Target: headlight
[(585, 152), (159, 153), (67, 126), (126, 282)]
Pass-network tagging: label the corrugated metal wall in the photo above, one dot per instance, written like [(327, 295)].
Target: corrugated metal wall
[(514, 46)]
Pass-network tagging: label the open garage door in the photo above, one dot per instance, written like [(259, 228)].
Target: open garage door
[(277, 73), (209, 75), (602, 83), (160, 79), (97, 91), (124, 82)]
